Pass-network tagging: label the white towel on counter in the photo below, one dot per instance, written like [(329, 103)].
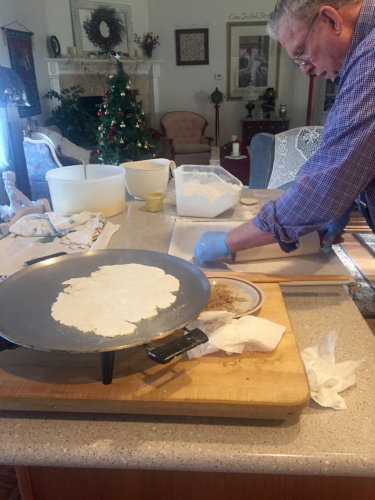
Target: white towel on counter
[(248, 333), (39, 235), (326, 377), (79, 230)]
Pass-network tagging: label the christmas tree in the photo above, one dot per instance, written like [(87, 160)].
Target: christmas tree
[(123, 134)]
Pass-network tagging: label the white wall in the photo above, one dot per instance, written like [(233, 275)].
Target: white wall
[(189, 87)]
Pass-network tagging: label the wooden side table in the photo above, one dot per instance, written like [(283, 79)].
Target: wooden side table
[(251, 127), (240, 168)]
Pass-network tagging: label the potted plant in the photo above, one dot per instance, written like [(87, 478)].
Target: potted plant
[(147, 42), (73, 120)]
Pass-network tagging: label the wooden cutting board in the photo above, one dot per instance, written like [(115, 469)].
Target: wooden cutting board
[(251, 385)]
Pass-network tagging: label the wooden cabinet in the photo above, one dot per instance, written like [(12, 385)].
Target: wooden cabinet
[(251, 127)]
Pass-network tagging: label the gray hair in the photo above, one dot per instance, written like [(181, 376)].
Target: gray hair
[(299, 10)]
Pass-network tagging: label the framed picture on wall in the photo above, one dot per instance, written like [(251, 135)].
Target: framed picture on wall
[(252, 59), (191, 46)]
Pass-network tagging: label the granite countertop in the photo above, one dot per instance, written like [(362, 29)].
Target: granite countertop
[(321, 442)]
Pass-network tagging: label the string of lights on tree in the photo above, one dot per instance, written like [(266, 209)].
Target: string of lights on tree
[(123, 134)]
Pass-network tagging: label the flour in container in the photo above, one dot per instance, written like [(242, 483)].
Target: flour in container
[(114, 298)]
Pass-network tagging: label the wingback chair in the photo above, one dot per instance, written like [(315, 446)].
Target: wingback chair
[(276, 159), (46, 150), (183, 137)]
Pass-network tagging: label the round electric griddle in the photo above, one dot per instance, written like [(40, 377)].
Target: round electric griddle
[(27, 296)]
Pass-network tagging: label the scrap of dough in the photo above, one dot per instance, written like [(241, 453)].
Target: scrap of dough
[(114, 298), (248, 201)]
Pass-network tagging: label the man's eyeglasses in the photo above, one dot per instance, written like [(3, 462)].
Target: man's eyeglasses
[(297, 60)]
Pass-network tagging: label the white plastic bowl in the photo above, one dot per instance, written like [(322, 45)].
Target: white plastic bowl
[(103, 191), (147, 176)]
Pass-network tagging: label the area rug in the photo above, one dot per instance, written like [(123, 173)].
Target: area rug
[(367, 240), (364, 294)]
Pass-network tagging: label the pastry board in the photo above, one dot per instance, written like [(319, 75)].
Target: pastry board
[(251, 385), (323, 267)]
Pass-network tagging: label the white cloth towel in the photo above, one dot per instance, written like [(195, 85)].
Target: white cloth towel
[(326, 377), (248, 333), (79, 230), (38, 235)]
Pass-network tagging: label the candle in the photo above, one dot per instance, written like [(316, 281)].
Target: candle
[(235, 149)]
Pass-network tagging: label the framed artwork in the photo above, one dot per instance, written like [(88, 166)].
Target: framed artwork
[(22, 62), (81, 10), (191, 46), (253, 59)]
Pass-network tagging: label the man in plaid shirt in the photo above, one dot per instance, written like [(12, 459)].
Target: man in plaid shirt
[(334, 39)]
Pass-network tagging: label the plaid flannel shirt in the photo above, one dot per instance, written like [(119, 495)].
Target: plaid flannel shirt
[(344, 165)]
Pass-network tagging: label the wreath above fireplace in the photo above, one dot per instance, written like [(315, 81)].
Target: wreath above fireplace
[(104, 18)]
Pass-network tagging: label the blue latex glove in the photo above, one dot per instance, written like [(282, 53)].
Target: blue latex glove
[(211, 246), (332, 233)]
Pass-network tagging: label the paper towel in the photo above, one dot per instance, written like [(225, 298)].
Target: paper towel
[(327, 378), (248, 333)]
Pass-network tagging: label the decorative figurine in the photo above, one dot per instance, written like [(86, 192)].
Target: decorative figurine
[(269, 102), (250, 106), (282, 111)]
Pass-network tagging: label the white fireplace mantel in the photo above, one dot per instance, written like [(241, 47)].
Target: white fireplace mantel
[(95, 70)]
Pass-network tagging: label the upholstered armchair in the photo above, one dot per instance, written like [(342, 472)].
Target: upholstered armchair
[(183, 138), (45, 150), (276, 159)]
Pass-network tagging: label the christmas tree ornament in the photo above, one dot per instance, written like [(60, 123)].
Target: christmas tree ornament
[(100, 112), (120, 111), (123, 94), (106, 112), (139, 145), (112, 127), (113, 122), (122, 141), (137, 125), (122, 125), (128, 86)]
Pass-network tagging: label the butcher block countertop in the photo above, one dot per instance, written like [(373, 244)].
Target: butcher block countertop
[(317, 442)]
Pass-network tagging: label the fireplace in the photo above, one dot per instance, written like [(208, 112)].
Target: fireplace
[(92, 75)]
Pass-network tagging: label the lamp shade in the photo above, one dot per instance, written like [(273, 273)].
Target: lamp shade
[(12, 89)]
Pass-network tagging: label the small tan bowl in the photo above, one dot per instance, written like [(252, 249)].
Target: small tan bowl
[(154, 201)]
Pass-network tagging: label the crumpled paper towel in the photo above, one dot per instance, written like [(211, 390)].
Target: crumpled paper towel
[(327, 378), (76, 230), (248, 333)]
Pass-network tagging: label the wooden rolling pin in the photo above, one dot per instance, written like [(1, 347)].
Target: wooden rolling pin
[(281, 278)]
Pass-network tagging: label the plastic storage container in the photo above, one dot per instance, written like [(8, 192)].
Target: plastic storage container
[(103, 191), (205, 191)]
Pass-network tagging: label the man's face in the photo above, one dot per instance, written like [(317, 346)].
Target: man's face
[(315, 47)]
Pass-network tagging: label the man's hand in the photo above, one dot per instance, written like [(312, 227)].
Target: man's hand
[(332, 233), (211, 246)]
